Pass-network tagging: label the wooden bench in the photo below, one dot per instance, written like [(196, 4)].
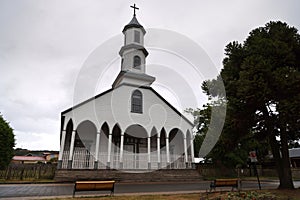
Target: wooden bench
[(94, 186), (234, 183)]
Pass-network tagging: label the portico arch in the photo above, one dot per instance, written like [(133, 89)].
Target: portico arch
[(163, 148), (153, 140), (103, 146), (67, 143), (177, 151), (85, 135), (69, 130), (116, 143), (135, 147), (84, 145)]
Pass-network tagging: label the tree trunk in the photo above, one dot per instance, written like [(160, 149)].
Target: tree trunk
[(276, 156), (282, 161), (286, 181)]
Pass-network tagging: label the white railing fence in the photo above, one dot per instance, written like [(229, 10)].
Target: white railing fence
[(83, 159)]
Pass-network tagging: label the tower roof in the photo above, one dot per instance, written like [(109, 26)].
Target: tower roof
[(134, 24)]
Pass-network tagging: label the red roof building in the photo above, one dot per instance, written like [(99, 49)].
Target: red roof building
[(28, 159)]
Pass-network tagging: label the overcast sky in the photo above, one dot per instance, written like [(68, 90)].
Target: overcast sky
[(44, 44)]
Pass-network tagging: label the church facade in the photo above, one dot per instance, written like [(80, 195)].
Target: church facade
[(129, 126)]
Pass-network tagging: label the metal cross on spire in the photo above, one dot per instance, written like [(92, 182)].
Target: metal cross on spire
[(134, 8)]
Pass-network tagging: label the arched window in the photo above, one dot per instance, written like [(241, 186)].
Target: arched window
[(137, 102), (137, 62), (137, 36)]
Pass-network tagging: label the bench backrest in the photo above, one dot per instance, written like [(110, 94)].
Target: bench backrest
[(94, 185), (225, 182)]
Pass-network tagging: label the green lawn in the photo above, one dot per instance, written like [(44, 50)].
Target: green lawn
[(246, 195)]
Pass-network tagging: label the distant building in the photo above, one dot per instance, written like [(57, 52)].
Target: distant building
[(28, 159), (36, 157), (295, 157)]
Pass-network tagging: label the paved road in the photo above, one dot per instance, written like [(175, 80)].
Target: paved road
[(12, 191)]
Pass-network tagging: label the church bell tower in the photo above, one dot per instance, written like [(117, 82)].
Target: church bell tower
[(133, 55)]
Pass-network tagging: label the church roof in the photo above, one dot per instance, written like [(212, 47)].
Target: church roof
[(144, 87), (134, 24)]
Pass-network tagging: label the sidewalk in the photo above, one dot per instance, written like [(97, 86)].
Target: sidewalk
[(55, 190)]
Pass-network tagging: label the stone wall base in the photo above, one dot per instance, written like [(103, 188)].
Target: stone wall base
[(65, 175)]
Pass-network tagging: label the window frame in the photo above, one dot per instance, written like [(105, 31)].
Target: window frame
[(137, 63), (137, 36), (137, 102)]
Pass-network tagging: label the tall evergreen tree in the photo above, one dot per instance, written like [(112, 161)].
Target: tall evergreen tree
[(262, 82), (7, 143)]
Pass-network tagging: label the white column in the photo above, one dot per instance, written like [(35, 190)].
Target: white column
[(185, 150), (149, 152), (121, 150), (109, 148), (168, 150), (192, 150), (70, 161), (62, 145), (72, 145), (97, 146), (158, 152)]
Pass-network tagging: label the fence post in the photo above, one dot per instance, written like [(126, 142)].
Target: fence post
[(22, 172), (39, 171), (34, 172), (8, 173)]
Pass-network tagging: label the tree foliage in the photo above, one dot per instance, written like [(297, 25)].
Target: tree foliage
[(262, 82), (7, 143), (230, 151), (201, 121)]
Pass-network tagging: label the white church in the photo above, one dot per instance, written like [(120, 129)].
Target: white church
[(130, 126)]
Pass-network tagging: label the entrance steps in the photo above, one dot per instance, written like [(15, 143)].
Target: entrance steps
[(162, 175)]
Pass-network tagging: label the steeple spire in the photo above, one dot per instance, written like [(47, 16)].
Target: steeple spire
[(134, 22), (134, 8), (133, 54)]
